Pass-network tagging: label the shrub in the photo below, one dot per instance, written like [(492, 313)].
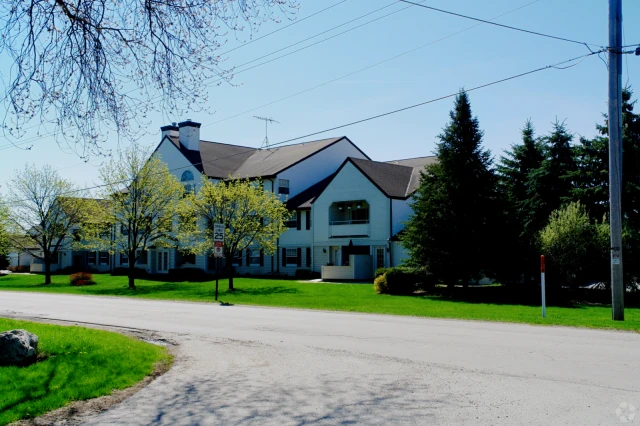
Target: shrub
[(21, 268), (306, 274), (187, 274), (381, 271), (402, 280), (380, 284), (81, 278)]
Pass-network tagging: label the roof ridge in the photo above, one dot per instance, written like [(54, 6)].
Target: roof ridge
[(382, 162), (412, 158)]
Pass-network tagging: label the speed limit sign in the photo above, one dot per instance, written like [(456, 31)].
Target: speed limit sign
[(218, 232)]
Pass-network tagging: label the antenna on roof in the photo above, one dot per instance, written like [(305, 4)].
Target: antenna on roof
[(265, 143)]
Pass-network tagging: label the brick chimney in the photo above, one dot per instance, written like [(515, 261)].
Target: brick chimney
[(189, 134)]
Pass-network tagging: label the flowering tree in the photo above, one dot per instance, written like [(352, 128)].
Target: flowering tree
[(44, 211), (91, 66), (251, 217), (142, 195)]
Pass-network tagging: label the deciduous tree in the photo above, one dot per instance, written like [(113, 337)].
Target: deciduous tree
[(142, 195), (89, 67), (252, 217), (45, 209)]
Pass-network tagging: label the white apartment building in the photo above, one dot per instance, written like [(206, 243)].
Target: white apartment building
[(343, 204)]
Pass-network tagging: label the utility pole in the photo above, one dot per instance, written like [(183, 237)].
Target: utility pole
[(615, 157), (265, 143)]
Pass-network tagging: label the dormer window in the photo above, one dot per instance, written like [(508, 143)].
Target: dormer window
[(283, 186), (187, 182)]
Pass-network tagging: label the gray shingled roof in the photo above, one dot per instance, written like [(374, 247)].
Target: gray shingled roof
[(304, 199), (268, 162), (220, 160), (396, 179)]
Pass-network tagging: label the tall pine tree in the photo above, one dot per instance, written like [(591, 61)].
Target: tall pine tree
[(514, 172), (551, 185), (456, 207), (592, 178)]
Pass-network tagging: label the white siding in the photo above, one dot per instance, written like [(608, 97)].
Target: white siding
[(399, 253), (318, 166), (295, 237), (401, 212), (351, 184), (177, 162)]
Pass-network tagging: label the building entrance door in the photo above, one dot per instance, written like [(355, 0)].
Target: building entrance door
[(163, 261)]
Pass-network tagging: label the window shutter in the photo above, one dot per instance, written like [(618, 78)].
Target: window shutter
[(308, 219), (86, 257), (240, 258), (284, 257), (261, 257), (248, 257), (308, 256), (299, 258), (298, 220)]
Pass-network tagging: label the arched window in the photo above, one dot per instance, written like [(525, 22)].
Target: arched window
[(187, 181)]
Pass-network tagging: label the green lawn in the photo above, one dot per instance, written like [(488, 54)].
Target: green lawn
[(78, 363), (340, 297)]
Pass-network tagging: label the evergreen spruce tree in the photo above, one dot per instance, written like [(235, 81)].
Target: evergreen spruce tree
[(551, 185), (513, 171), (592, 176), (456, 209)]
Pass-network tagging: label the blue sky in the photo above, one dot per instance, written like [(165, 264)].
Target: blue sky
[(477, 56)]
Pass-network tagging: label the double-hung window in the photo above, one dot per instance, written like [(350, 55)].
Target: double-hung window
[(283, 186), (254, 257), (104, 258), (91, 258), (292, 256)]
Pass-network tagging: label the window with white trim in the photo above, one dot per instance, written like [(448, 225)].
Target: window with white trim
[(283, 186), (104, 258), (293, 220), (292, 256), (254, 257)]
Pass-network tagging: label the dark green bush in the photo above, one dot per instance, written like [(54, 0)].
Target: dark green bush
[(402, 280), (306, 274)]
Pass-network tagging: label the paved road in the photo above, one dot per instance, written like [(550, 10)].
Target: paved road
[(242, 365)]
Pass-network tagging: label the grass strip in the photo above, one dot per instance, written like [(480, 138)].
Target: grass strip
[(76, 363)]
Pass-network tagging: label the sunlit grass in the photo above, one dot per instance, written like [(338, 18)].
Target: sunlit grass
[(78, 363), (339, 297)]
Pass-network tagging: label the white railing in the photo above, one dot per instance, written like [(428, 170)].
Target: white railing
[(349, 229), (349, 222)]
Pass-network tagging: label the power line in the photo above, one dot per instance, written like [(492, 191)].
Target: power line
[(283, 28), (367, 67), (502, 80), (501, 25), (158, 98)]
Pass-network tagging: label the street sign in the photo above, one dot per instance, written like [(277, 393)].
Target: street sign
[(218, 239), (218, 232)]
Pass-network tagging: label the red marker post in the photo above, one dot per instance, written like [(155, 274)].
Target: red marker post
[(542, 287)]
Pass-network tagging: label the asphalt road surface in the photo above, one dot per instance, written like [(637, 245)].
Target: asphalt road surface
[(240, 365)]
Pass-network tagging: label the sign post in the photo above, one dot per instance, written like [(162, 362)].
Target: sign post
[(542, 287), (218, 245)]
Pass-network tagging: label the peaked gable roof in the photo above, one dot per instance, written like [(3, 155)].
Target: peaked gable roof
[(220, 160), (304, 199), (396, 179)]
